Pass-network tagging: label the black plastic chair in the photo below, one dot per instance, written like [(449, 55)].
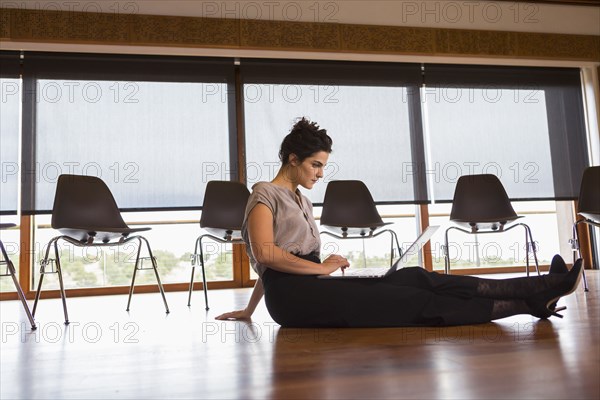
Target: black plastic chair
[(86, 213), (481, 205), (222, 217), (10, 271), (588, 207), (349, 212)]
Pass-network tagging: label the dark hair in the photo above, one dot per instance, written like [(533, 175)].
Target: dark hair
[(304, 140)]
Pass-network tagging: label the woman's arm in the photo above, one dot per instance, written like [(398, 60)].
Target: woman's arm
[(246, 313), (260, 230), (264, 250)]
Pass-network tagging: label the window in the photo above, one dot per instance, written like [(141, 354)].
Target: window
[(152, 129), (353, 117), (362, 106), (524, 125), (10, 130), (157, 129), (153, 146), (11, 241), (10, 133)]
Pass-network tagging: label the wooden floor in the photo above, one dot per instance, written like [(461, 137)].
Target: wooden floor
[(108, 353)]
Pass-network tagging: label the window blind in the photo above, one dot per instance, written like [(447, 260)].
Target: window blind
[(368, 109), (155, 129), (524, 124), (10, 104)]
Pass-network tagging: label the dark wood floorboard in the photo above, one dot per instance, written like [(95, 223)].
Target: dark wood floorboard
[(108, 353)]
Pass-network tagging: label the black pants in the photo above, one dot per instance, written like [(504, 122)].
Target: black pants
[(409, 297)]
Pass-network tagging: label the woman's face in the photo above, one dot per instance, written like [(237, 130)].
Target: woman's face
[(310, 170)]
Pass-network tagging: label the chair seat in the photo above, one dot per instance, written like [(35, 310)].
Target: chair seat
[(7, 225), (364, 230), (223, 233), (102, 234), (487, 225), (591, 216)]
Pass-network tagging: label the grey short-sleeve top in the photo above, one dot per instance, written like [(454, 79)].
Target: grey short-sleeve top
[(294, 226)]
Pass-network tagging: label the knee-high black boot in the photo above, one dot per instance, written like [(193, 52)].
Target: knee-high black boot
[(541, 304), (522, 288)]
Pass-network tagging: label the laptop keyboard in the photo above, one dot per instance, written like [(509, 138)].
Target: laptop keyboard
[(367, 272)]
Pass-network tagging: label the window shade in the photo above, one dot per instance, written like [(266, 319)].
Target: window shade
[(525, 125), (338, 73), (10, 93), (10, 64), (128, 67), (367, 109), (155, 129)]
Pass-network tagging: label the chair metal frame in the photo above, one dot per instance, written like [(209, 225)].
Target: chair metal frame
[(529, 243), (588, 209), (197, 258), (54, 266), (96, 217), (481, 203), (363, 228), (371, 234), (575, 246), (221, 220), (11, 271)]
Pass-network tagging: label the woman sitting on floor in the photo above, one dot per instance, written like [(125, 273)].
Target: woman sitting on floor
[(278, 216)]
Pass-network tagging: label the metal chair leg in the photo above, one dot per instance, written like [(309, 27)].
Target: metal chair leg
[(577, 250), (194, 261), (529, 243), (526, 253), (44, 264), (13, 274), (138, 266), (23, 299), (203, 277), (585, 284), (160, 286), (135, 268), (38, 291), (191, 286), (446, 253), (155, 268), (394, 238), (198, 253), (131, 287), (60, 281), (204, 287)]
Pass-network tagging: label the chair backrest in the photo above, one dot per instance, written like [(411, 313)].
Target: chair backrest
[(589, 193), (481, 198), (84, 202), (349, 204), (224, 205)]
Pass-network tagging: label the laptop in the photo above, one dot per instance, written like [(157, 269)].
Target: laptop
[(381, 272)]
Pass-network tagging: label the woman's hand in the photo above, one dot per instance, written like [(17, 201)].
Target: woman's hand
[(246, 313), (243, 315), (333, 262)]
